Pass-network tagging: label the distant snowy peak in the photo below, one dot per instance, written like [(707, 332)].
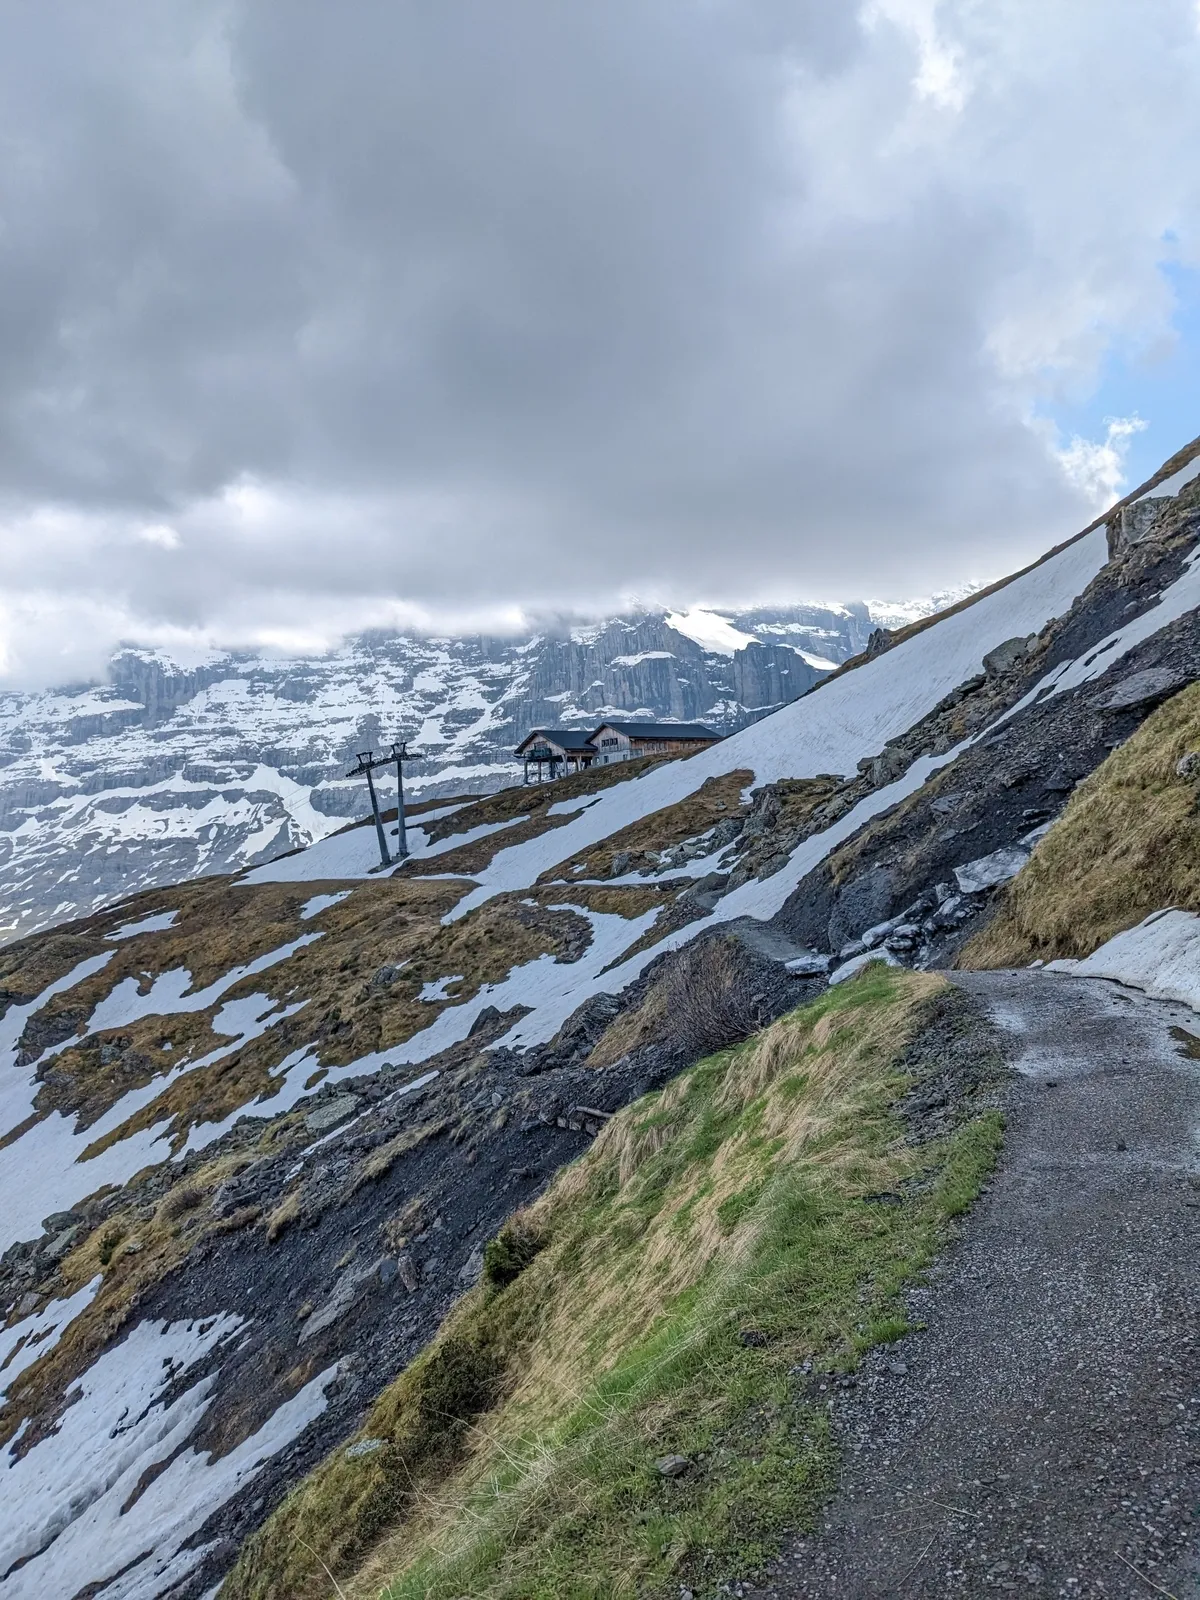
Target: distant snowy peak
[(207, 761), (710, 631), (894, 614)]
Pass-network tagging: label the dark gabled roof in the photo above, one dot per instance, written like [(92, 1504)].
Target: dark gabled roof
[(660, 730), (565, 738)]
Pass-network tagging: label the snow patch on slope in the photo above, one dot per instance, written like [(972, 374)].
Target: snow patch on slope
[(48, 1168), (709, 630), (321, 902), (72, 1512), (355, 854), (15, 1100), (1171, 486), (27, 1340), (171, 993), (1161, 956), (155, 924)]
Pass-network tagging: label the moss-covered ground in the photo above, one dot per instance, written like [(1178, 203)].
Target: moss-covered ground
[(674, 1293)]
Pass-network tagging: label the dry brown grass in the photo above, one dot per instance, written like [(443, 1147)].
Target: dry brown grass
[(714, 800), (179, 1201), (628, 900), (226, 926), (1127, 844), (284, 1214)]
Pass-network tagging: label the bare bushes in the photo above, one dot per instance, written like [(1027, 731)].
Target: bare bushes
[(179, 1201), (710, 1001), (705, 999)]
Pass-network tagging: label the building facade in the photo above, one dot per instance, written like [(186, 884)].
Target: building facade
[(624, 741)]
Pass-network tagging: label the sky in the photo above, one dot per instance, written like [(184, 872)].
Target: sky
[(451, 316)]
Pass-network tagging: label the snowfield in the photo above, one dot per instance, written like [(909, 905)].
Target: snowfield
[(355, 854), (73, 1513)]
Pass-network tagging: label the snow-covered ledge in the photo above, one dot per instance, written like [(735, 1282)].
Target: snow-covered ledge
[(1161, 956)]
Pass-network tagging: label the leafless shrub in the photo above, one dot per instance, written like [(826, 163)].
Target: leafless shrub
[(702, 1001), (709, 997), (181, 1200)]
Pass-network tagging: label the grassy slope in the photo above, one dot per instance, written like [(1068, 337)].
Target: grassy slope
[(520, 1446), (1127, 844)]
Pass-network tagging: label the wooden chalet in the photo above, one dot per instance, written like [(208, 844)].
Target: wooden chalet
[(623, 741), (561, 750)]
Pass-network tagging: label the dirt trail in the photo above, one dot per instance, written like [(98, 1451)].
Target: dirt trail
[(1041, 1434)]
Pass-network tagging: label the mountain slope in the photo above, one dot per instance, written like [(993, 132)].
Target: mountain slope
[(317, 1091), (1127, 844), (172, 770)]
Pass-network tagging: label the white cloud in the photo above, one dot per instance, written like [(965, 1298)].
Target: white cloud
[(1098, 468), (939, 75), (158, 533), (463, 313)]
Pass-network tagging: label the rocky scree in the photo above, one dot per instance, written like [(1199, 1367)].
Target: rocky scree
[(918, 880)]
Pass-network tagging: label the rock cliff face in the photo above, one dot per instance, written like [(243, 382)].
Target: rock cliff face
[(173, 770)]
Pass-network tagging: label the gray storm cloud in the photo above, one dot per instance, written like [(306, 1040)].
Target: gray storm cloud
[(315, 316)]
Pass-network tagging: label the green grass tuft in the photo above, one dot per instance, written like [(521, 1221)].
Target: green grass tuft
[(715, 1249)]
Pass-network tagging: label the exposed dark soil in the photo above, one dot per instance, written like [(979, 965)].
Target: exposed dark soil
[(1012, 781), (368, 1267)]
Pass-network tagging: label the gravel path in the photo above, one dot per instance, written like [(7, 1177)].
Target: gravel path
[(1041, 1434)]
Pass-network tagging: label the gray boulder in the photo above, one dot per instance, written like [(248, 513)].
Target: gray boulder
[(1144, 688), (1139, 523), (986, 872), (862, 903), (1008, 655), (331, 1113)]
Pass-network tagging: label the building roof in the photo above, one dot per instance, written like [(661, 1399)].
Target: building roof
[(564, 738), (661, 730)]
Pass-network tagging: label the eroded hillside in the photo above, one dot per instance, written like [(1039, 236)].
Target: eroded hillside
[(259, 1130)]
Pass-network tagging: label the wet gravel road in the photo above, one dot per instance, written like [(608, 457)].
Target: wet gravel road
[(1041, 1434)]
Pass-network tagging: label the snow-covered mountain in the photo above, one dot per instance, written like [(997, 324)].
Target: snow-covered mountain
[(174, 769)]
